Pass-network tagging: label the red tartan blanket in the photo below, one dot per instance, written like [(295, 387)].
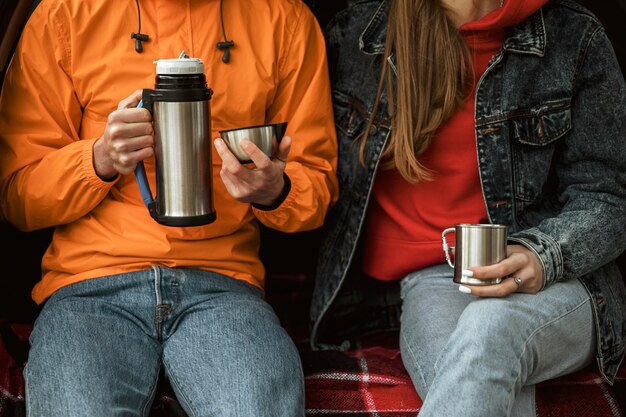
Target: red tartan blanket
[(368, 380), (371, 380)]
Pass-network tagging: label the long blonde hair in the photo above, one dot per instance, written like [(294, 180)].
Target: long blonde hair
[(433, 70)]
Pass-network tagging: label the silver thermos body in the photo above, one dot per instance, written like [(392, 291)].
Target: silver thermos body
[(181, 113)]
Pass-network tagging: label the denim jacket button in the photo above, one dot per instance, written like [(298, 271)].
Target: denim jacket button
[(373, 130)]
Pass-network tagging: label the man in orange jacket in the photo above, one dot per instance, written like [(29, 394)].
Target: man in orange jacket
[(125, 295)]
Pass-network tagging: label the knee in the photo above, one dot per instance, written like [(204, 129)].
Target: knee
[(490, 327), (282, 364)]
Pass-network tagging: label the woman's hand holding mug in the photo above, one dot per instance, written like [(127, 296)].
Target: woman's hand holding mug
[(521, 269), (485, 266)]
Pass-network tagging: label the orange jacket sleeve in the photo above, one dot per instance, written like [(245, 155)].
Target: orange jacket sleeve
[(303, 99), (46, 171)]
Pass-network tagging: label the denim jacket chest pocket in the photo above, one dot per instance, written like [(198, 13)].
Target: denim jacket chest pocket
[(536, 133), (351, 120), (347, 117)]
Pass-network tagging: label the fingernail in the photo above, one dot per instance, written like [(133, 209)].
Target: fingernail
[(219, 143), (464, 289), (467, 273)]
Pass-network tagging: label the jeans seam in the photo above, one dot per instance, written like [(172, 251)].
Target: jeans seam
[(414, 360), (158, 297), (175, 382), (26, 389), (152, 394)]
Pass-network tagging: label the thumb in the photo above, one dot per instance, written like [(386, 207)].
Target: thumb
[(283, 149), (130, 101)]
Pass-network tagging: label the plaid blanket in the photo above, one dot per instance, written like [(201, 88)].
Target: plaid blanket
[(368, 380)]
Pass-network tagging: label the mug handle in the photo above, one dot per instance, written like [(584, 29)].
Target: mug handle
[(142, 178), (447, 248)]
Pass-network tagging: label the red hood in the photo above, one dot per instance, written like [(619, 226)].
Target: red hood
[(511, 13)]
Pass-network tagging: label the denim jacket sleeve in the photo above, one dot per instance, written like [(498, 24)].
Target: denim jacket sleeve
[(590, 168)]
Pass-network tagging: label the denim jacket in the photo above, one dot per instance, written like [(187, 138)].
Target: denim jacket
[(550, 128)]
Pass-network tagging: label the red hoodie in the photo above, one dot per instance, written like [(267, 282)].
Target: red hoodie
[(405, 221)]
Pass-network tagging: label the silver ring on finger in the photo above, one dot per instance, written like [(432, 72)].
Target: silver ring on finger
[(518, 281)]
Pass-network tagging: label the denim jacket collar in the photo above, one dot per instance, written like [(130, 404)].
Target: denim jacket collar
[(529, 37)]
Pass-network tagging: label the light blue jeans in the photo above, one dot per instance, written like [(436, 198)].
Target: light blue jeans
[(481, 357), (97, 348)]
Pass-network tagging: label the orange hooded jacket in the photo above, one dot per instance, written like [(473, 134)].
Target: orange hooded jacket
[(76, 61)]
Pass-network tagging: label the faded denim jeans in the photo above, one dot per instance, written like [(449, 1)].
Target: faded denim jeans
[(98, 346), (481, 357)]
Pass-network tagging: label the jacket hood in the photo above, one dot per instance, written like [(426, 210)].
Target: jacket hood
[(510, 14)]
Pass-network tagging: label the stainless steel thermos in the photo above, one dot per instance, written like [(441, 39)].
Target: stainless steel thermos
[(181, 115)]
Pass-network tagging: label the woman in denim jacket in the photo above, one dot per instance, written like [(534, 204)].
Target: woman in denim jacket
[(473, 111)]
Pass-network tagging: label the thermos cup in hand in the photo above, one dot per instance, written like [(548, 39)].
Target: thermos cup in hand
[(265, 137)]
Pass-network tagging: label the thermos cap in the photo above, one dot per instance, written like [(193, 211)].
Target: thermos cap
[(179, 66)]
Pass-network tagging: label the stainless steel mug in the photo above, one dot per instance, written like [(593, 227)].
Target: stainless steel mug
[(475, 245), (181, 116), (265, 137)]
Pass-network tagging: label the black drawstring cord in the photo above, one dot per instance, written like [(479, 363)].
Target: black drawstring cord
[(139, 37), (222, 46), (226, 44)]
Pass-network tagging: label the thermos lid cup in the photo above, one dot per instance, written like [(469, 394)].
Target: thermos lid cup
[(179, 66)]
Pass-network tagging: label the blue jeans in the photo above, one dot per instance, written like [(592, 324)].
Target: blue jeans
[(98, 346), (470, 356)]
